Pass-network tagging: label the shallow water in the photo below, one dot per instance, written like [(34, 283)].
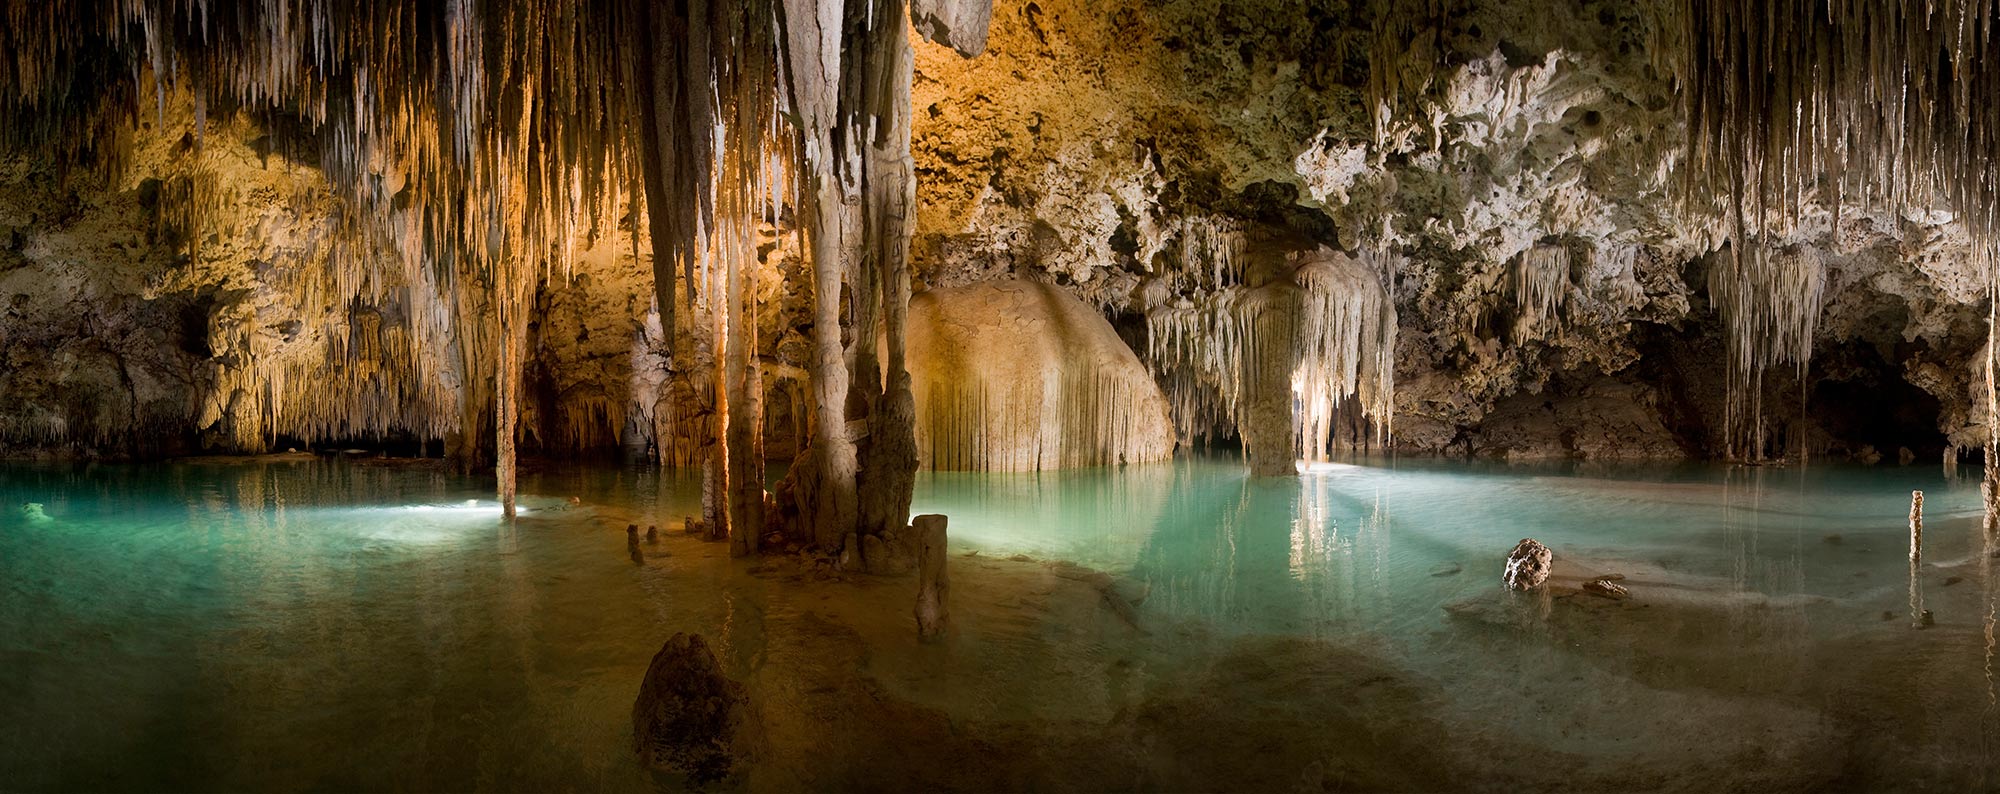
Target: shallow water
[(308, 624)]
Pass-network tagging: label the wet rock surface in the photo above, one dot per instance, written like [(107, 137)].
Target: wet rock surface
[(689, 717), (1528, 565), (1607, 587)]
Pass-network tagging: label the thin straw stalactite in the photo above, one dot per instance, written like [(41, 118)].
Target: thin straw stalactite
[(1793, 106)]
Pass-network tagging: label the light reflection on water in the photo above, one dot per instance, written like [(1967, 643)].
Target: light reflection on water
[(341, 626)]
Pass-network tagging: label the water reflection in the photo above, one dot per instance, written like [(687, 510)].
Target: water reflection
[(239, 607)]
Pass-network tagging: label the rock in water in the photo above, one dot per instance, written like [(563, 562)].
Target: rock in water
[(1604, 586), (1528, 565), (689, 717)]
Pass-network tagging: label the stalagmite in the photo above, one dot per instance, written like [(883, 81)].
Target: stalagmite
[(933, 582), (1919, 617), (1916, 525)]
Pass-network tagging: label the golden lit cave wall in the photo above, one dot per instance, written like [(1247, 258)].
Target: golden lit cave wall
[(205, 296), (1022, 376)]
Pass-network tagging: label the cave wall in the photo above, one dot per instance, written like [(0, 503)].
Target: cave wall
[(1115, 150), (1095, 139)]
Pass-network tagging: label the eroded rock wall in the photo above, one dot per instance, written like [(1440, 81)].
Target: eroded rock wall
[(1096, 145), (1552, 297)]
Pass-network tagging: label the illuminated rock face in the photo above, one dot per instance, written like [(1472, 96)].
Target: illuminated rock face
[(1528, 565), (1550, 297), (1021, 376), (1526, 177)]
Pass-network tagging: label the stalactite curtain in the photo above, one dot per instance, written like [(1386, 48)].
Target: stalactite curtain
[(479, 140)]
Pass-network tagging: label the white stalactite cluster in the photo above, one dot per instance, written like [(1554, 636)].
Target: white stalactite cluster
[(1344, 356), (487, 146), (1770, 306), (1541, 286), (1881, 103), (1020, 376), (1313, 356)]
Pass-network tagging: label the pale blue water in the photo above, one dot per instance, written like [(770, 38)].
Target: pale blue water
[(327, 626), (1352, 546)]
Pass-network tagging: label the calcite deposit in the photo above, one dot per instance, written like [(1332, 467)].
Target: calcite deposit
[(1319, 227)]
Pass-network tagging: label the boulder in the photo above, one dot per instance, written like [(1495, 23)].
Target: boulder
[(689, 718), (1528, 565)]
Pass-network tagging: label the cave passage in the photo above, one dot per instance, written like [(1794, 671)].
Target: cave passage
[(995, 395)]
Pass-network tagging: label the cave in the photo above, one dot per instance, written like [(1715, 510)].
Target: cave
[(998, 395)]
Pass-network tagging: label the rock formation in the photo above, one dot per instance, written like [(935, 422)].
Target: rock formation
[(933, 581), (1021, 376), (689, 718), (1475, 227), (1528, 565)]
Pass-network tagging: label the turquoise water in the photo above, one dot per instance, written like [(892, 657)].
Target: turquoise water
[(320, 625)]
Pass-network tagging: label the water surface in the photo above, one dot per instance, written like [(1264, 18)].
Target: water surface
[(316, 624)]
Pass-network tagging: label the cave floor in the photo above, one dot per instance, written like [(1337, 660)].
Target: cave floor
[(294, 623)]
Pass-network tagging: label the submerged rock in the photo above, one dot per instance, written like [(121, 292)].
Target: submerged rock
[(1528, 565), (1604, 586), (689, 718), (1447, 569)]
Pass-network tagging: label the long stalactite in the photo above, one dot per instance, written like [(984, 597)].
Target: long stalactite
[(478, 141), (1797, 107)]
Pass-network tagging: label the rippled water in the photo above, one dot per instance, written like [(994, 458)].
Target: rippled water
[(326, 625)]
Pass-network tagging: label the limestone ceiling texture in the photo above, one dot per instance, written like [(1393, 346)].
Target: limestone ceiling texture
[(1524, 202)]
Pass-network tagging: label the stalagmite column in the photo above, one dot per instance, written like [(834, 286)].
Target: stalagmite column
[(744, 415), (1916, 525), (889, 462), (826, 488), (506, 390), (933, 584), (1989, 481), (1919, 617)]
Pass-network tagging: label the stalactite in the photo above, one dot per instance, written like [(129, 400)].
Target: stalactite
[(1541, 285), (991, 395), (1212, 251), (1881, 104), (888, 458), (1344, 353), (478, 143), (1770, 306), (1293, 354)]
